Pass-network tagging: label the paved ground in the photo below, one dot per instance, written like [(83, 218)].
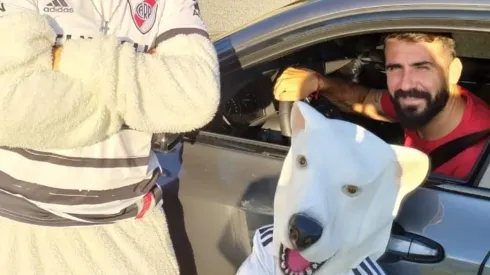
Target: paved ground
[(225, 15)]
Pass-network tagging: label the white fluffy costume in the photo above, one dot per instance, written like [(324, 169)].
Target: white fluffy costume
[(339, 191), (77, 173)]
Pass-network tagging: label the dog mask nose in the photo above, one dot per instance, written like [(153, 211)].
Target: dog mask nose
[(304, 231)]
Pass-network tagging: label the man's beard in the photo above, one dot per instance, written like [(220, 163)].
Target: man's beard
[(409, 117)]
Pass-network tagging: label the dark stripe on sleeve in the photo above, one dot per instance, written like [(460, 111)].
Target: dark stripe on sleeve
[(365, 268), (377, 269), (77, 161), (52, 195), (356, 272), (266, 242), (265, 234), (171, 33), (265, 228)]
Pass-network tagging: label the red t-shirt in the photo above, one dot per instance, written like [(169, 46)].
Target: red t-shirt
[(476, 118)]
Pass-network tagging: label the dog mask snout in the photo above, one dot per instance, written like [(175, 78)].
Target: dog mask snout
[(304, 231)]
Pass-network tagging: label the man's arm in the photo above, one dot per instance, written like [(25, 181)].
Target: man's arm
[(41, 108), (176, 89), (352, 97), (298, 83)]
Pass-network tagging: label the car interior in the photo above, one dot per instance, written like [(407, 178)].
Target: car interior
[(253, 114)]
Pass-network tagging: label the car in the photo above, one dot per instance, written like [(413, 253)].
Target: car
[(231, 166)]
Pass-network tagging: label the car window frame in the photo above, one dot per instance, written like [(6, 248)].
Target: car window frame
[(291, 40), (288, 40)]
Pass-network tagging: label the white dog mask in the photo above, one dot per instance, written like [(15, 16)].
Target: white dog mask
[(339, 191)]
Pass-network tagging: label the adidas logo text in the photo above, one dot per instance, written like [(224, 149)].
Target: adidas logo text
[(58, 6)]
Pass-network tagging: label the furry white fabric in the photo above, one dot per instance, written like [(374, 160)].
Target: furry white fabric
[(348, 180), (105, 249), (100, 86)]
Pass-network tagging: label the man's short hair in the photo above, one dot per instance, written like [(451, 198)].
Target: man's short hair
[(445, 39)]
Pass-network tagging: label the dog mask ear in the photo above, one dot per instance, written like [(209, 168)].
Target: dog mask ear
[(298, 122), (414, 170)]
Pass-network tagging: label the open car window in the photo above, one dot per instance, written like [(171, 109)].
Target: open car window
[(253, 114)]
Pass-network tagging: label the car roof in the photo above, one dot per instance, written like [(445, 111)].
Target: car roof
[(381, 2), (346, 5), (316, 8), (360, 4)]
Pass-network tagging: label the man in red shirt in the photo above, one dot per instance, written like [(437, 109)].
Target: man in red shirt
[(423, 96)]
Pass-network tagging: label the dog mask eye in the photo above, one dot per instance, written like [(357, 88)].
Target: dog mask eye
[(301, 161), (351, 190)]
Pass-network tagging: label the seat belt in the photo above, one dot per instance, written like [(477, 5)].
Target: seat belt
[(449, 150)]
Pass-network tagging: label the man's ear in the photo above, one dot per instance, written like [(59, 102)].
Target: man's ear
[(298, 122), (455, 69)]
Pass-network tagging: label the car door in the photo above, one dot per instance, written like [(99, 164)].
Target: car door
[(228, 183), (442, 229)]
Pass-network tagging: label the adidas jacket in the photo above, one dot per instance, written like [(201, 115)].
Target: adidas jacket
[(262, 261), (65, 159)]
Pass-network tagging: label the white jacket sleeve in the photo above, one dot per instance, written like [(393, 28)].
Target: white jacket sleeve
[(261, 261), (175, 90), (367, 267), (10, 7), (40, 108)]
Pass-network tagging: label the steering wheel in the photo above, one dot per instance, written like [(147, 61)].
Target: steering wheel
[(322, 104)]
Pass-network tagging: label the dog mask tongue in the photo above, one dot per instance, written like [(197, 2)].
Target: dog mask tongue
[(296, 262)]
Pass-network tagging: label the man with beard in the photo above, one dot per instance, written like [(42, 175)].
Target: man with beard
[(423, 96)]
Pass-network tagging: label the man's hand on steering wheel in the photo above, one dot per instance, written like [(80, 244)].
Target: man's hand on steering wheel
[(297, 84)]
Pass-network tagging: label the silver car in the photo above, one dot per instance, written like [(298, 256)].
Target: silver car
[(231, 166)]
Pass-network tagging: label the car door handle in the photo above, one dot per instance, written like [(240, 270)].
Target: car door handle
[(414, 248)]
